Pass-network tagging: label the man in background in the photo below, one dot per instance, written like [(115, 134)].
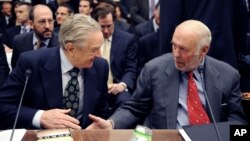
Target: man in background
[(42, 36)]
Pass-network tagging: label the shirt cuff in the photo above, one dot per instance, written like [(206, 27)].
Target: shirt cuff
[(125, 86), (37, 119), (112, 123)]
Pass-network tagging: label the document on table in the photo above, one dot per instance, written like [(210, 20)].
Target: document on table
[(18, 134)]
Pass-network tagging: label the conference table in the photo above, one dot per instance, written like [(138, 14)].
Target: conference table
[(112, 135)]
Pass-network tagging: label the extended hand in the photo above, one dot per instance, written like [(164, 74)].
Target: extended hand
[(99, 123), (58, 118)]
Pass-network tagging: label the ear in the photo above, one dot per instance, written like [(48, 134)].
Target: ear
[(204, 50), (70, 48), (31, 23)]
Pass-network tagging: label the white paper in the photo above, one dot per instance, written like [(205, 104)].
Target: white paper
[(184, 135), (18, 134)]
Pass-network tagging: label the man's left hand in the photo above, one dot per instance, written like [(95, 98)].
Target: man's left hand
[(116, 88)]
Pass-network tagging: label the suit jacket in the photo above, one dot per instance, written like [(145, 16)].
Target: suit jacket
[(24, 42), (123, 58), (4, 67), (44, 89), (4, 24), (157, 94), (9, 35), (144, 28), (148, 48), (225, 18), (139, 10)]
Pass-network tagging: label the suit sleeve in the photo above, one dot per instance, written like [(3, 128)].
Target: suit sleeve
[(130, 71), (4, 68), (138, 106), (10, 97), (15, 53), (235, 111), (134, 10)]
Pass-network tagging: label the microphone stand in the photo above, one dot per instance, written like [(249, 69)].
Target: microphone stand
[(27, 74), (201, 71)]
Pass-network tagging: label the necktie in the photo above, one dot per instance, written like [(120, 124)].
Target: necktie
[(196, 112), (24, 30), (71, 94), (39, 44), (106, 55)]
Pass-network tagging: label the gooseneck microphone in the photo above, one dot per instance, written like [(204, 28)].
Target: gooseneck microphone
[(201, 71), (27, 76)]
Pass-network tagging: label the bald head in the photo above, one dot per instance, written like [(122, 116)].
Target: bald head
[(36, 10), (198, 29)]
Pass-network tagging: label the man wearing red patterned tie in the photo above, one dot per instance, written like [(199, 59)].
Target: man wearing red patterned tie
[(169, 90)]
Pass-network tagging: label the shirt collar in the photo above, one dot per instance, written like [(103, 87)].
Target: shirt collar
[(65, 64), (155, 25)]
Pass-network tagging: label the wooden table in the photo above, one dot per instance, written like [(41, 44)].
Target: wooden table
[(112, 135)]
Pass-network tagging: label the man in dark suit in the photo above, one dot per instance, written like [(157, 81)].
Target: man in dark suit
[(22, 17), (141, 10), (6, 20), (148, 48), (42, 36), (119, 49), (4, 67), (149, 26), (225, 18), (48, 102), (166, 84)]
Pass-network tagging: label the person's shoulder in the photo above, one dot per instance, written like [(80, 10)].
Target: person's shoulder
[(99, 62), (160, 62), (119, 32), (23, 36), (41, 53), (220, 65)]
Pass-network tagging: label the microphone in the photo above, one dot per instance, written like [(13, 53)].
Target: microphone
[(27, 76), (201, 71)]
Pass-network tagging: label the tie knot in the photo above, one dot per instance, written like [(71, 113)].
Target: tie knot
[(24, 29), (74, 72), (39, 44), (190, 74)]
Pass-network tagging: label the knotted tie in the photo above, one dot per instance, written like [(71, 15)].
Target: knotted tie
[(71, 94), (39, 44), (196, 112)]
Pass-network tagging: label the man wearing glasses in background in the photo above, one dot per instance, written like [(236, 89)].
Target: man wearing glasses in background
[(42, 23), (62, 13)]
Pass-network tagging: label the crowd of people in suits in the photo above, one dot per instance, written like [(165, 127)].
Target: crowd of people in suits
[(113, 45)]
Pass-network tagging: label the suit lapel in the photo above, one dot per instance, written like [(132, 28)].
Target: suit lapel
[(52, 79), (53, 42), (171, 94), (89, 92), (213, 92), (116, 40)]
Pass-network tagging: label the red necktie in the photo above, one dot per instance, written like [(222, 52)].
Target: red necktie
[(196, 112)]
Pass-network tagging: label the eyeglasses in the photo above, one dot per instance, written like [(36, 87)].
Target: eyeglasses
[(43, 21)]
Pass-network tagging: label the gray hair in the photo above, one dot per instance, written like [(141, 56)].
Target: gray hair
[(77, 28)]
